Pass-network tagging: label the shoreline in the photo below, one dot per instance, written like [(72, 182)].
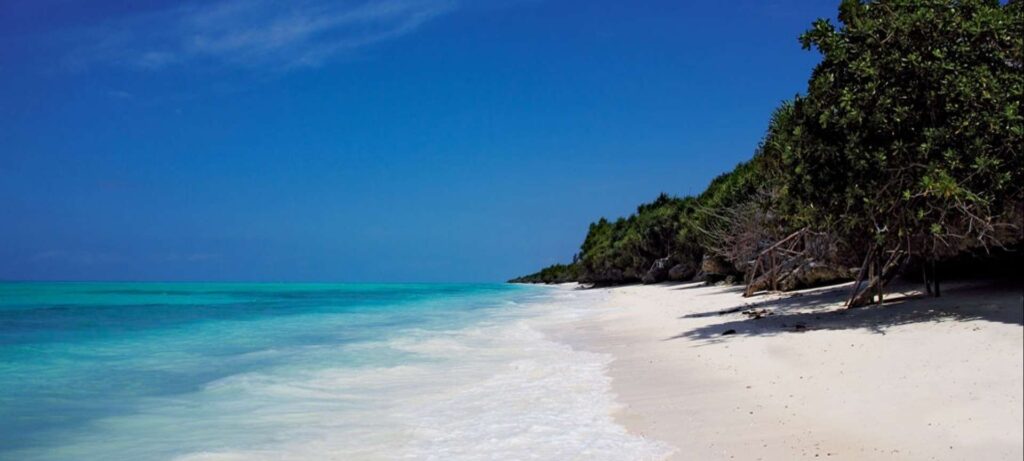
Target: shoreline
[(919, 378)]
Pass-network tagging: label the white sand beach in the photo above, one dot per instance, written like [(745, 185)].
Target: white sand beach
[(918, 378)]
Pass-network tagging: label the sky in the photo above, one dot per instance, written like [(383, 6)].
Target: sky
[(351, 141)]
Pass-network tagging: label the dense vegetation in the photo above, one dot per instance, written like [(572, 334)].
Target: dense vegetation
[(904, 150), (555, 273)]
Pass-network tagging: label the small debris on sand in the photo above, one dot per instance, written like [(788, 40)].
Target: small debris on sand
[(755, 314)]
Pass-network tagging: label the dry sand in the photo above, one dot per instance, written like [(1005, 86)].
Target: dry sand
[(918, 378)]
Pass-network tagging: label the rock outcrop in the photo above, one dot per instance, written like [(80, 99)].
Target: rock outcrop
[(682, 272), (813, 274), (716, 269), (658, 271)]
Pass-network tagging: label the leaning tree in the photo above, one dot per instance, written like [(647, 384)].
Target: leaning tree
[(908, 141)]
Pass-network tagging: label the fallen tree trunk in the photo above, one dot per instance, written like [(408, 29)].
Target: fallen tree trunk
[(877, 279)]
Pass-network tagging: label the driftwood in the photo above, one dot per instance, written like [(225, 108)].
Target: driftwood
[(779, 260), (860, 274), (879, 274)]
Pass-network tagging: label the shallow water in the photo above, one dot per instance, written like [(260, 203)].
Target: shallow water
[(145, 371)]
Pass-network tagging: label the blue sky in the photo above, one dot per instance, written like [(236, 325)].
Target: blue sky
[(396, 140)]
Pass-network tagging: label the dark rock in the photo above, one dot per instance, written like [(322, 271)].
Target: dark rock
[(715, 265), (682, 272), (608, 277), (716, 269), (814, 274), (729, 332), (658, 271)]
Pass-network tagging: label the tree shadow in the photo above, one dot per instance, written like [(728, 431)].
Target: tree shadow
[(721, 287), (818, 297), (821, 309), (711, 290), (688, 285)]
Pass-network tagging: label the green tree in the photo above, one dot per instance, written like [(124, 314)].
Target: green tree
[(624, 250), (909, 138)]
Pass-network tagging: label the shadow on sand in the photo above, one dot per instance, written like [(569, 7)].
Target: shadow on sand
[(820, 309)]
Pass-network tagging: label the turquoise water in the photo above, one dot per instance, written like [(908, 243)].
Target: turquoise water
[(183, 371), (75, 353)]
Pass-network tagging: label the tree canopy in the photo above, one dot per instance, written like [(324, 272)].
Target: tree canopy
[(910, 133), (907, 141)]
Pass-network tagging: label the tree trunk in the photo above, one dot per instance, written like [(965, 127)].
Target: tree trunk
[(924, 278), (881, 293), (860, 279), (872, 281), (877, 282)]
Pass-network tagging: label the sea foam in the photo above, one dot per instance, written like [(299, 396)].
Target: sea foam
[(496, 390), (453, 373)]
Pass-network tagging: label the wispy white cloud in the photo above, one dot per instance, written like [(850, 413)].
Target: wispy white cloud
[(277, 34)]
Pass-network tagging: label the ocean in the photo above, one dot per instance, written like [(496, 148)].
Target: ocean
[(239, 371)]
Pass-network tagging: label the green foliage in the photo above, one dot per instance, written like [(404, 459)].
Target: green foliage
[(746, 209), (555, 273), (909, 138), (623, 250), (910, 134)]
